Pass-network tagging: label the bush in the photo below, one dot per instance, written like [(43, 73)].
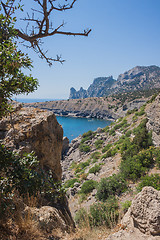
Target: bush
[(88, 186), (87, 136), (104, 213), (156, 154), (81, 166), (113, 185), (106, 148), (99, 143), (22, 176), (126, 205), (95, 156), (81, 217), (70, 183), (153, 181), (84, 148), (95, 169), (100, 214)]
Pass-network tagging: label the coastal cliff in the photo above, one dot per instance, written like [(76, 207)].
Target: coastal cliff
[(110, 108), (137, 78), (30, 129)]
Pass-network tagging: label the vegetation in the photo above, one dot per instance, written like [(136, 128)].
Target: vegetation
[(70, 182), (95, 156), (153, 181), (113, 185), (95, 169), (88, 186), (22, 176), (12, 79), (100, 214), (84, 148), (99, 143), (126, 205)]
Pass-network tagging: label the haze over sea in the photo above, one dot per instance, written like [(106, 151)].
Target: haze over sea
[(73, 127)]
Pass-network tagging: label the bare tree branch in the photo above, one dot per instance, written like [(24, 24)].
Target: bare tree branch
[(41, 25)]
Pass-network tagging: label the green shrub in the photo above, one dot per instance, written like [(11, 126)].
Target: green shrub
[(153, 181), (106, 129), (22, 176), (70, 183), (87, 134), (95, 156), (141, 111), (110, 153), (113, 185), (99, 143), (88, 186), (81, 166), (106, 148), (95, 169), (104, 213), (81, 217), (112, 132), (126, 205), (128, 133), (84, 148), (156, 154)]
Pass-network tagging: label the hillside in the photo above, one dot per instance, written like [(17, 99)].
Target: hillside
[(138, 78), (110, 165), (104, 108)]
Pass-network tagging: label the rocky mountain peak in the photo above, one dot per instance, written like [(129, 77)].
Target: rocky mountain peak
[(137, 78)]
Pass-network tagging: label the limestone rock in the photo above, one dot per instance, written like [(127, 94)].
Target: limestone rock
[(153, 113), (65, 146), (142, 221), (30, 129), (50, 218)]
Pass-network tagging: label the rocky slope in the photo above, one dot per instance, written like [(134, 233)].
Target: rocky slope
[(35, 217), (97, 155), (104, 108), (137, 78)]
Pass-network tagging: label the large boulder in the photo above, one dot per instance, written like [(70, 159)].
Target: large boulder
[(30, 129), (142, 221)]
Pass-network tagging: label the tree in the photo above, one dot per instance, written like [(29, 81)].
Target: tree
[(12, 62), (39, 23)]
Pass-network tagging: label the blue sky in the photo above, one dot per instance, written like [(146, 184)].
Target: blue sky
[(125, 33)]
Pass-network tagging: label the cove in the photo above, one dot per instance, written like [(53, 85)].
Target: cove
[(73, 127)]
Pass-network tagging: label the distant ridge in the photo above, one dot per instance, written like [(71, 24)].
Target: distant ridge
[(138, 78)]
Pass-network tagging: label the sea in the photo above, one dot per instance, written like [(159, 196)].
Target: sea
[(72, 126)]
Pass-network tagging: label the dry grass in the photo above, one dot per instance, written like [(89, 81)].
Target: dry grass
[(86, 233)]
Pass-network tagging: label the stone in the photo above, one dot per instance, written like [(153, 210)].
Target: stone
[(51, 218), (153, 124), (142, 220), (30, 129), (65, 146)]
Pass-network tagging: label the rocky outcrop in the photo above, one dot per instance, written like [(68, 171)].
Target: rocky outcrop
[(50, 218), (153, 113), (142, 221), (99, 88), (138, 78), (31, 129)]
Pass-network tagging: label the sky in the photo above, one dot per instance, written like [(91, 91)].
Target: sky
[(125, 34)]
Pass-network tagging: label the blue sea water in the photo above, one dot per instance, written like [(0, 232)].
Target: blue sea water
[(73, 127), (32, 100)]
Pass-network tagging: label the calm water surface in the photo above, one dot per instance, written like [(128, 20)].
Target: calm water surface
[(73, 127)]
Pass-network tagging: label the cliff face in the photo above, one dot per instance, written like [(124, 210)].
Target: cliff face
[(30, 129), (138, 78), (100, 87), (153, 113)]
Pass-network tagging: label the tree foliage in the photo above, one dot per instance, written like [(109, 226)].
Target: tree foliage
[(12, 63)]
